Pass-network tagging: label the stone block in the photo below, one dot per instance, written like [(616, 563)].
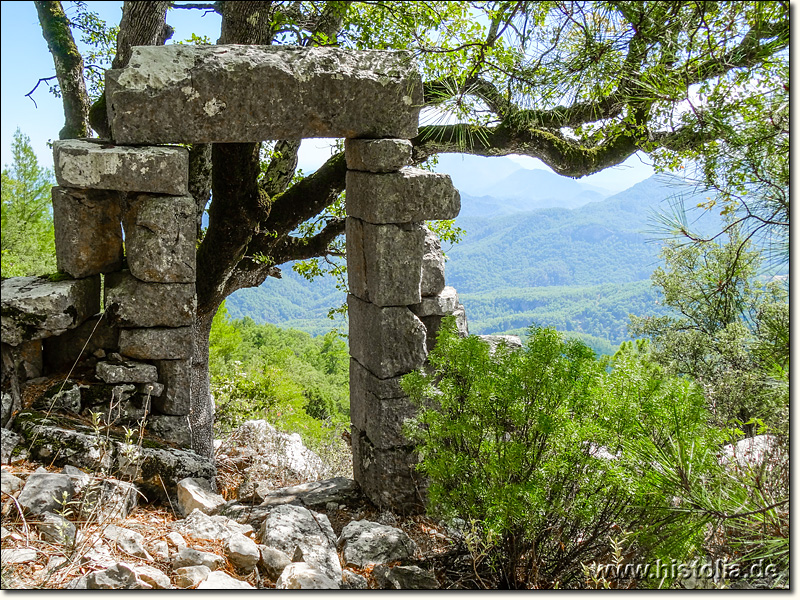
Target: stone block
[(133, 303), (378, 407), (384, 262), (27, 359), (160, 238), (377, 156), (100, 165), (388, 477), (434, 322), (35, 307), (432, 280), (126, 372), (176, 375), (87, 231), (157, 343), (170, 428), (96, 333), (445, 303), (405, 196), (388, 341), (238, 93)]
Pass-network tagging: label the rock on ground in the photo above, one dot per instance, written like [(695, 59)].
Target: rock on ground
[(301, 576), (196, 494), (219, 580), (365, 542)]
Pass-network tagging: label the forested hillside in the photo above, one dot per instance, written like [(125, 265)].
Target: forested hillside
[(581, 270)]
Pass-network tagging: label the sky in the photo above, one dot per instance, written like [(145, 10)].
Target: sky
[(24, 59)]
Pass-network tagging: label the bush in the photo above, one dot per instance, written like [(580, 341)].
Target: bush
[(536, 447)]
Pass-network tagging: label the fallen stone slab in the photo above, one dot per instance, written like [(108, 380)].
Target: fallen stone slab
[(314, 494), (120, 576), (302, 576), (160, 238), (156, 467), (192, 94), (210, 527), (289, 527), (365, 542), (377, 156), (88, 234), (9, 483), (45, 492), (157, 343), (389, 341), (406, 196), (384, 262), (55, 528), (404, 577), (133, 303), (153, 576), (35, 307), (128, 541), (101, 165), (219, 580), (197, 494)]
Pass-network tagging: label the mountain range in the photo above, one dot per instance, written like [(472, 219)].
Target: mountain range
[(538, 248)]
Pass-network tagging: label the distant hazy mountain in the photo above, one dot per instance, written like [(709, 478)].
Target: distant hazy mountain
[(581, 270)]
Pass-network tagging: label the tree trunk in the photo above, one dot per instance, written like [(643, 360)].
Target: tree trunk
[(201, 417), (69, 69)]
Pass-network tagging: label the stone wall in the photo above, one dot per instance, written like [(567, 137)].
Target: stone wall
[(139, 346)]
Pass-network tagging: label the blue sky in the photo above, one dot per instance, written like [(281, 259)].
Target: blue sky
[(24, 59)]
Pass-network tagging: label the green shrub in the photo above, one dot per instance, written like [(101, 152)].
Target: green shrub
[(536, 447)]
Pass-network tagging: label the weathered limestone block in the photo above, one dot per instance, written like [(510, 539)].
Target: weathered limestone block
[(377, 156), (384, 262), (134, 303), (387, 477), (191, 94), (160, 237), (405, 196), (440, 305), (434, 322), (87, 231), (378, 407), (171, 428), (126, 372), (432, 265), (99, 165), (388, 341), (96, 333), (35, 307), (27, 359), (509, 342), (176, 375), (156, 343)]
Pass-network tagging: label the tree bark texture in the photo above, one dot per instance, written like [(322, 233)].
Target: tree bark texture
[(69, 69)]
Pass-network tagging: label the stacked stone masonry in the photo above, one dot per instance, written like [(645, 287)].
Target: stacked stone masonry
[(397, 301), (135, 189)]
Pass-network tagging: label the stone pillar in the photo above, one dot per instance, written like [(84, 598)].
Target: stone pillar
[(396, 281), (143, 190)]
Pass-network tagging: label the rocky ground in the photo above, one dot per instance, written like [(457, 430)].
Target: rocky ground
[(274, 525)]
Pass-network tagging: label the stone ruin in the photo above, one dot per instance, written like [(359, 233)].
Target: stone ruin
[(139, 346)]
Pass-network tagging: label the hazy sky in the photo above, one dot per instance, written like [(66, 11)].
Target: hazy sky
[(25, 59)]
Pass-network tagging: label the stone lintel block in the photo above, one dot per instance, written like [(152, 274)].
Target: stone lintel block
[(96, 333), (157, 343), (388, 476), (389, 341), (432, 281), (384, 262), (443, 304), (88, 235), (35, 307), (405, 196), (133, 303), (160, 238), (377, 156), (378, 407), (101, 165), (176, 375), (238, 93)]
